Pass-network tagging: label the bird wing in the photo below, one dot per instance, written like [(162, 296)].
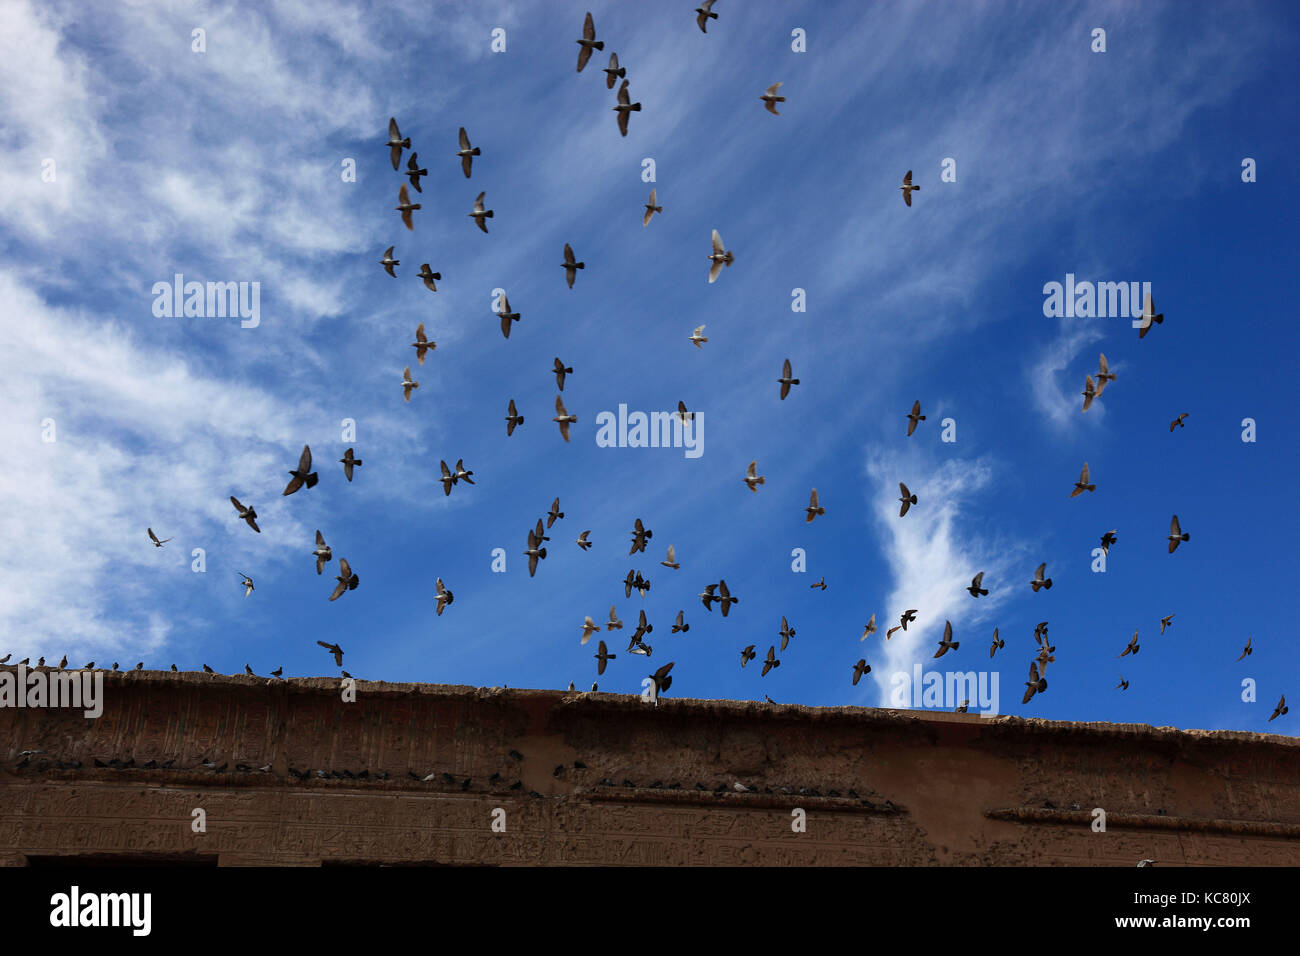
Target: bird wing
[(622, 121), (672, 554), (1038, 574), (320, 540), (588, 28), (1105, 369), (977, 580), (304, 460), (812, 500), (714, 270), (235, 501), (152, 537), (464, 139), (1083, 475), (786, 371), (907, 180), (1173, 526), (393, 131), (624, 98), (771, 90), (568, 258)]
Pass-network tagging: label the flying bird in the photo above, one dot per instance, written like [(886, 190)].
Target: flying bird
[(335, 650), (752, 478), (414, 172), (651, 208), (908, 188), (907, 499), (589, 627), (406, 207), (396, 143), (1082, 485), (408, 383), (869, 629), (662, 680), (1104, 375), (671, 560), (771, 99), (947, 644), (154, 538), (997, 645), (975, 589), (534, 552), (467, 154), (247, 583), (480, 214), (445, 597), (707, 596), (1247, 650), (1281, 708), (1107, 540), (747, 655), (787, 379), (613, 624), (388, 261), (1166, 622), (1149, 316), (1035, 684), (814, 508), (643, 627), (461, 474), (1178, 422), (560, 372), (719, 257), (250, 516), (563, 417), (683, 414), (1089, 393), (302, 474), (570, 266), (428, 276), (771, 661), (640, 535), (588, 42), (614, 72), (513, 418), (705, 14), (349, 461), (602, 655), (860, 668), (1176, 535), (1132, 647), (904, 619), (1122, 685), (347, 581), (582, 541), (541, 533), (913, 417), (421, 344), (323, 553), (725, 598), (786, 632), (447, 479), (680, 624), (625, 108), (555, 514), (1039, 581), (699, 339), (821, 583)]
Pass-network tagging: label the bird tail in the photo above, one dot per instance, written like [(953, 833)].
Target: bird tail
[(521, 420), (1048, 584), (600, 45), (762, 480), (488, 214), (635, 107), (312, 479), (476, 151), (541, 553)]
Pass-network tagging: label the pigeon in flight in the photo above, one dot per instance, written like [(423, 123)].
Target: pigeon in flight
[(661, 679), (613, 624), (643, 627), (467, 153), (414, 172), (422, 345), (683, 414), (908, 188), (428, 276), (349, 461), (335, 650), (408, 383), (1122, 685), (907, 500), (1104, 375), (479, 215), (747, 655), (534, 552), (322, 553), (561, 371), (1082, 485), (1035, 684), (461, 474), (406, 207), (1132, 647), (555, 514), (588, 42), (997, 645), (671, 560), (1040, 632), (640, 535), (814, 508), (541, 533), (913, 417), (1149, 317), (787, 379), (302, 474), (625, 108), (786, 632), (860, 668), (447, 479), (1178, 422), (699, 339), (771, 661), (947, 644), (705, 14), (1247, 650), (563, 417), (975, 589), (1280, 709), (388, 261), (869, 629), (1107, 540), (445, 597), (513, 418), (725, 598), (582, 542), (250, 516), (1089, 393), (570, 266), (347, 581), (589, 627), (719, 257), (603, 656), (904, 619), (1176, 535), (707, 596), (1039, 581), (680, 625), (1166, 622), (771, 99), (651, 208), (614, 72), (396, 143), (247, 583), (752, 478), (821, 583), (154, 538)]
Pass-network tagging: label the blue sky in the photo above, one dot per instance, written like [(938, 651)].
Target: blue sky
[(226, 165)]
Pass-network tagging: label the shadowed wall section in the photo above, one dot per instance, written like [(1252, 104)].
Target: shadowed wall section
[(411, 774)]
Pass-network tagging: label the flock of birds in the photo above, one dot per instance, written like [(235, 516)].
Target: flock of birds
[(717, 593)]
